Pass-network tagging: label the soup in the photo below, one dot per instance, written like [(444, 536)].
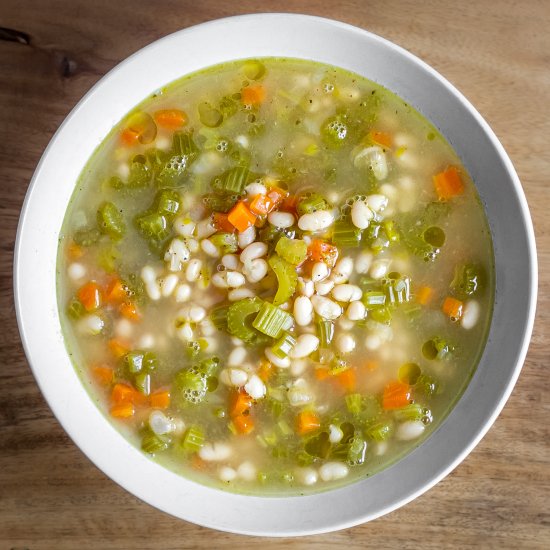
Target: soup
[(275, 277)]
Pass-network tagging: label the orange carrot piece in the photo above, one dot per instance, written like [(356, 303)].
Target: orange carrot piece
[(244, 424), (122, 393), (170, 118), (424, 295), (261, 205), (90, 296), (253, 95), (306, 422), (130, 311), (396, 395), (290, 204), (277, 195), (118, 348), (221, 222), (448, 183), (115, 291), (321, 251), (239, 403), (123, 410), (74, 252), (265, 371), (453, 308), (241, 217), (347, 380), (371, 365), (197, 463), (160, 399), (104, 375), (321, 373), (129, 137), (382, 138)]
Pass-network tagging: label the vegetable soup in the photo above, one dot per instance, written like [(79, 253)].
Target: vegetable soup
[(275, 277)]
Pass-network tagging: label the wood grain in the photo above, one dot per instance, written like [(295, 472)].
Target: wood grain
[(496, 52)]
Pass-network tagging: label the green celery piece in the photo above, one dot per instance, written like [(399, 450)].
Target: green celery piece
[(219, 203), (272, 321), (227, 107), (354, 403), (225, 242), (86, 237), (110, 221), (191, 384), (209, 366), (325, 332), (184, 145), (193, 440), (374, 299), (167, 203), (140, 361), (391, 230), (232, 181), (467, 280), (381, 315), (153, 226), (380, 431), (412, 411), (427, 385), (174, 172), (142, 382), (108, 258), (311, 203), (139, 177), (75, 309), (152, 443), (345, 234), (287, 279), (218, 316), (398, 289), (209, 116), (436, 348), (357, 451), (156, 159), (238, 322), (282, 347), (318, 446), (294, 251)]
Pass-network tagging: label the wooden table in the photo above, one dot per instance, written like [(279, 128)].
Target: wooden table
[(496, 52)]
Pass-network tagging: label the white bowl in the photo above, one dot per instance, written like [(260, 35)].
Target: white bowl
[(327, 41)]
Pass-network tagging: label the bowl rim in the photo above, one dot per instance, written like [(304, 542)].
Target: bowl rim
[(320, 520)]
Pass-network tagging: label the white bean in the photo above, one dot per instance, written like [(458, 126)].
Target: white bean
[(215, 452), (255, 387), (281, 219), (470, 315), (153, 290), (303, 311), (377, 202), (306, 476), (192, 245), (176, 255), (192, 313), (124, 328), (91, 324), (247, 471), (253, 251), (185, 332), (277, 361), (231, 261), (255, 270), (306, 287), (168, 284), (207, 327), (342, 270), (347, 293), (205, 228), (160, 423), (345, 324), (316, 221), (381, 448), (148, 274), (298, 367), (240, 294), (361, 214), (243, 141), (227, 474), (209, 248), (373, 342), (236, 357), (146, 341), (345, 343), (363, 262), (238, 377), (305, 345), (76, 271), (410, 430), (182, 292), (326, 308), (219, 280), (324, 287), (356, 311), (379, 268), (375, 158), (234, 279), (331, 471), (184, 227), (255, 188), (319, 272), (193, 271), (335, 434), (246, 237), (299, 393)]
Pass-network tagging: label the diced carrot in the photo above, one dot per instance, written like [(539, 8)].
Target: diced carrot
[(115, 291), (371, 365), (396, 395), (90, 296), (104, 375), (265, 370), (239, 403), (253, 95), (122, 393), (170, 118), (129, 137), (241, 217), (424, 295), (321, 373), (118, 348), (74, 252), (197, 463), (262, 204), (347, 380), (160, 399), (221, 222), (448, 183), (243, 423), (123, 410), (130, 311), (382, 138), (290, 204), (306, 422), (321, 251), (277, 195), (453, 308)]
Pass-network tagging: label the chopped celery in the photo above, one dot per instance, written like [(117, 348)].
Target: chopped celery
[(398, 289), (272, 320), (412, 411), (346, 234), (193, 439), (380, 431), (466, 280), (142, 382), (409, 373), (284, 344), (374, 299), (325, 332), (391, 230), (153, 226), (253, 69), (86, 237), (108, 258), (284, 427), (227, 107), (338, 365), (218, 316), (174, 172), (110, 221), (357, 451), (311, 203), (75, 309), (138, 361), (195, 347), (427, 385), (238, 322), (218, 203), (436, 348), (294, 251), (287, 279), (225, 242), (381, 315), (209, 366), (139, 177), (370, 409), (183, 145), (193, 383), (353, 403), (167, 203), (156, 159), (152, 443), (232, 181)]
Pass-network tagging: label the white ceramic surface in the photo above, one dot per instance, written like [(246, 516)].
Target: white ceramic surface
[(353, 49)]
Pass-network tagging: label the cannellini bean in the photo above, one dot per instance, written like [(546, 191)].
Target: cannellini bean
[(253, 251), (146, 341), (153, 290), (227, 474), (231, 261), (192, 313), (281, 219), (331, 471), (247, 471), (363, 262), (335, 434), (303, 311), (214, 452), (324, 287), (209, 248), (193, 271), (240, 294), (316, 221), (184, 227), (123, 171), (192, 245), (375, 158), (176, 255), (255, 188), (373, 342), (361, 214), (185, 332), (207, 327), (345, 324), (299, 393), (379, 268), (91, 324), (255, 270), (356, 311), (124, 328), (148, 274), (470, 315), (234, 279), (305, 345), (410, 430), (219, 280), (168, 284), (326, 308), (255, 387), (238, 377), (243, 141), (306, 476), (205, 228), (160, 423), (236, 357), (345, 343), (277, 361), (381, 448), (182, 292), (298, 367), (246, 237), (319, 272), (306, 287), (347, 293), (342, 270), (76, 271), (377, 202)]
